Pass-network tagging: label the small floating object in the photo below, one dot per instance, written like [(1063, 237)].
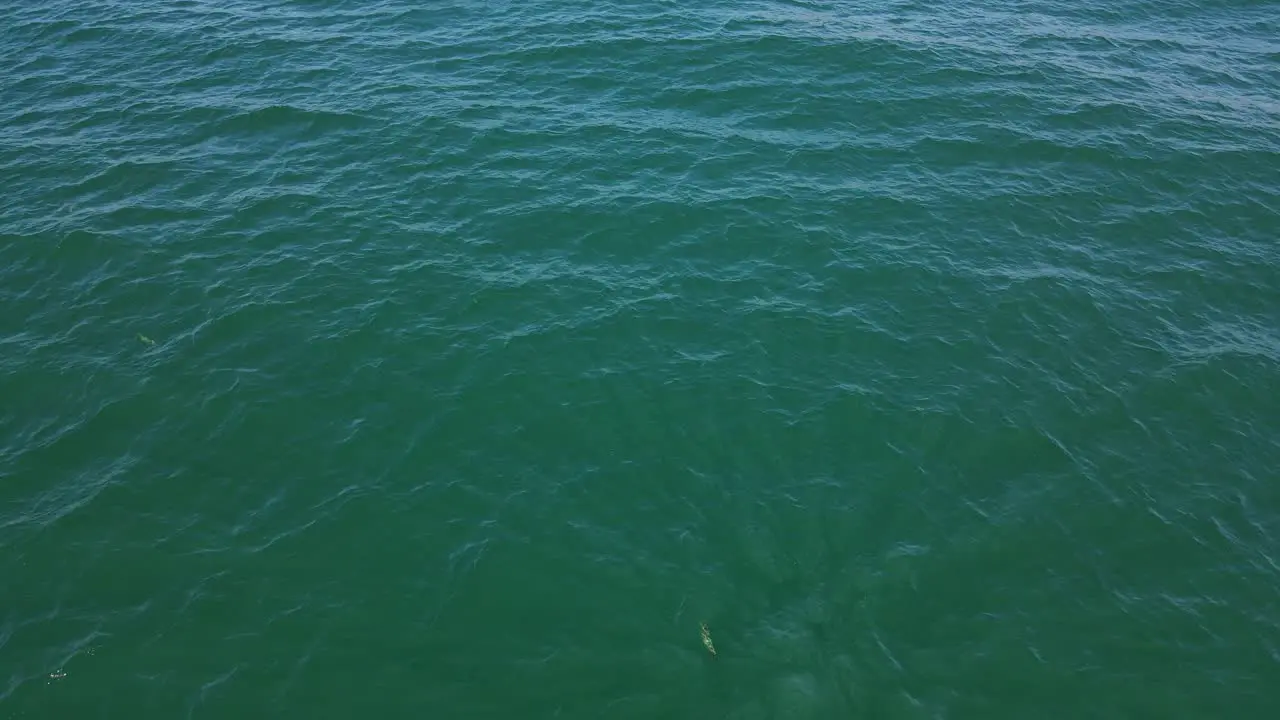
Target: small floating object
[(706, 639), (146, 340), (57, 675)]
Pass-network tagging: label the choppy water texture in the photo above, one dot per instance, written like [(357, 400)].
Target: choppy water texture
[(459, 359)]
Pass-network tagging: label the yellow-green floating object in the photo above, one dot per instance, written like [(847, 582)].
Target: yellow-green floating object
[(146, 340), (706, 639)]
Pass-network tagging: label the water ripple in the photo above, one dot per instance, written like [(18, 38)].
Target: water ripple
[(445, 356)]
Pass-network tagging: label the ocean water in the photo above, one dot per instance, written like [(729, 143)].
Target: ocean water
[(462, 359)]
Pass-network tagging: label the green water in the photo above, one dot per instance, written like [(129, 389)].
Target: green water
[(458, 359)]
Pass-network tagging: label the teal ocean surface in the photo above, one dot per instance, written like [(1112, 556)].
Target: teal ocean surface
[(465, 359)]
